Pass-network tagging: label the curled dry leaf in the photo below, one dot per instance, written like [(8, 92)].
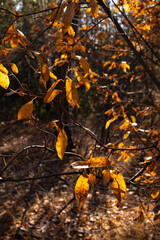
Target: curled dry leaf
[(82, 187)]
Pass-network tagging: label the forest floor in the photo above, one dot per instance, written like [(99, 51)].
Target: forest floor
[(45, 208)]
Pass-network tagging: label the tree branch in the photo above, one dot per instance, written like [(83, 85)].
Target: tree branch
[(128, 41)]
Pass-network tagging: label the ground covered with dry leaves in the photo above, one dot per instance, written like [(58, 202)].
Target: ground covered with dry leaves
[(42, 206)]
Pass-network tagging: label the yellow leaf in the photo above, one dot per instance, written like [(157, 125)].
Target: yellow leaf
[(124, 66), (92, 178), (98, 162), (61, 143), (155, 193), (84, 64), (106, 63), (125, 124), (51, 93), (14, 68), (3, 69), (82, 80), (119, 186), (110, 121), (106, 176), (52, 75), (152, 168), (26, 110), (115, 97), (71, 92), (126, 135), (82, 187), (4, 79), (94, 7), (45, 72), (71, 31), (48, 99), (133, 119)]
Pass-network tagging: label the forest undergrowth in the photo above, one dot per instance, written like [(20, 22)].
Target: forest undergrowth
[(40, 205)]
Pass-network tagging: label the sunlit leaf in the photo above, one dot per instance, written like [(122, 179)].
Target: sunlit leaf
[(106, 176), (110, 121), (155, 193), (26, 110), (51, 93), (52, 75), (82, 187), (98, 162), (124, 66), (152, 168), (71, 92), (84, 64), (115, 97), (82, 80), (119, 186), (61, 143), (4, 79), (14, 68)]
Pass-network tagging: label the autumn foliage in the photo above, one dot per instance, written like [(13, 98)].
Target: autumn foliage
[(98, 55)]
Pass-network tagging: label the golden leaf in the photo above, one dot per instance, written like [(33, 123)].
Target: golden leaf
[(82, 187), (51, 93), (115, 97), (48, 99), (14, 68), (26, 110), (118, 186), (97, 162), (3, 69), (84, 65), (92, 178), (4, 79), (61, 143), (52, 75), (155, 193), (124, 66), (82, 80), (106, 176), (110, 121), (71, 93)]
